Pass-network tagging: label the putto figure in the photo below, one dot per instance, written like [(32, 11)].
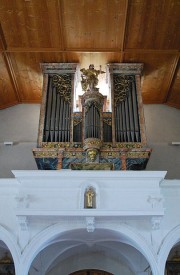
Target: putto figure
[(90, 78)]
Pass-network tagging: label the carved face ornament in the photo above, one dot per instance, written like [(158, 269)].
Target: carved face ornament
[(92, 154)]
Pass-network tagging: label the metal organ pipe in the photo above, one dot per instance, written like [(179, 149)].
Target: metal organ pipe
[(92, 122), (123, 122), (48, 112), (53, 115), (63, 119), (60, 118), (57, 116), (127, 120), (57, 119), (127, 128), (136, 116), (131, 118)]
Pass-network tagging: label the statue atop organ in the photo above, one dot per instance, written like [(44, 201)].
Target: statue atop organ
[(89, 80), (94, 138)]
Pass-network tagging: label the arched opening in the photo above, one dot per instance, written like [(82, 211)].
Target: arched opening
[(101, 251), (91, 272), (173, 261), (6, 260), (169, 253)]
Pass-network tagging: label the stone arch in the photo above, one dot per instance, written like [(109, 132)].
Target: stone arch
[(13, 247), (39, 242), (43, 239), (169, 241), (85, 270), (138, 242)]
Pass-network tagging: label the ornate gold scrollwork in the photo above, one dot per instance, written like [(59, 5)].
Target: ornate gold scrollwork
[(121, 87), (63, 85), (76, 121), (107, 120), (96, 104)]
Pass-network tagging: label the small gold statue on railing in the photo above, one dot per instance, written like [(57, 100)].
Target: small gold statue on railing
[(89, 77)]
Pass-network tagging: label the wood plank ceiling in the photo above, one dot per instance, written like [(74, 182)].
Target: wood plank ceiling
[(89, 31)]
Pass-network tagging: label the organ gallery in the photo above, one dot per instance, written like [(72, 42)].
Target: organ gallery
[(104, 133)]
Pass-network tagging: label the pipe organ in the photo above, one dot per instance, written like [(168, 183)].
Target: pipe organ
[(93, 138)]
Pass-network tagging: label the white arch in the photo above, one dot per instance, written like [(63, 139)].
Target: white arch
[(13, 247), (169, 241), (39, 242), (137, 241), (42, 239)]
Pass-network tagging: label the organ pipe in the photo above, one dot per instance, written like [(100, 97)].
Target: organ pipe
[(58, 112), (127, 128)]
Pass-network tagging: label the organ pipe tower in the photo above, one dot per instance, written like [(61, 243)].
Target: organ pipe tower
[(94, 138)]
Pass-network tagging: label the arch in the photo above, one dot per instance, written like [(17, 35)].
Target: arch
[(169, 241), (43, 239), (13, 247), (85, 270), (39, 242), (110, 253), (138, 242)]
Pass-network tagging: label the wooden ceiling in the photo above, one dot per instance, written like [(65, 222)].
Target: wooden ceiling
[(89, 31)]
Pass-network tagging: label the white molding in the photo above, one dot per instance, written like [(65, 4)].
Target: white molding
[(23, 222), (90, 224), (155, 221), (88, 213), (89, 174), (170, 183)]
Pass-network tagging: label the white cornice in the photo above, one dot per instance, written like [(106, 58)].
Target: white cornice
[(87, 213), (89, 174)]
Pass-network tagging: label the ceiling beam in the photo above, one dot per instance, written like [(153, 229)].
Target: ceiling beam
[(9, 67), (124, 30), (60, 6), (2, 39), (40, 49), (86, 50)]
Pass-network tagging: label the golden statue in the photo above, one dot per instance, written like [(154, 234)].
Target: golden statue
[(92, 155), (89, 198), (90, 78)]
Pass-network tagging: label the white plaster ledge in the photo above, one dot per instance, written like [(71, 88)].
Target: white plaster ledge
[(8, 186), (88, 213), (170, 183), (89, 174)]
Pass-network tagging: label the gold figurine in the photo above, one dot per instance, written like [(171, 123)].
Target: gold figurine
[(90, 78), (89, 198)]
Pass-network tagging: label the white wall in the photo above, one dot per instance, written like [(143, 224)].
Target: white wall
[(163, 127), (20, 124)]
